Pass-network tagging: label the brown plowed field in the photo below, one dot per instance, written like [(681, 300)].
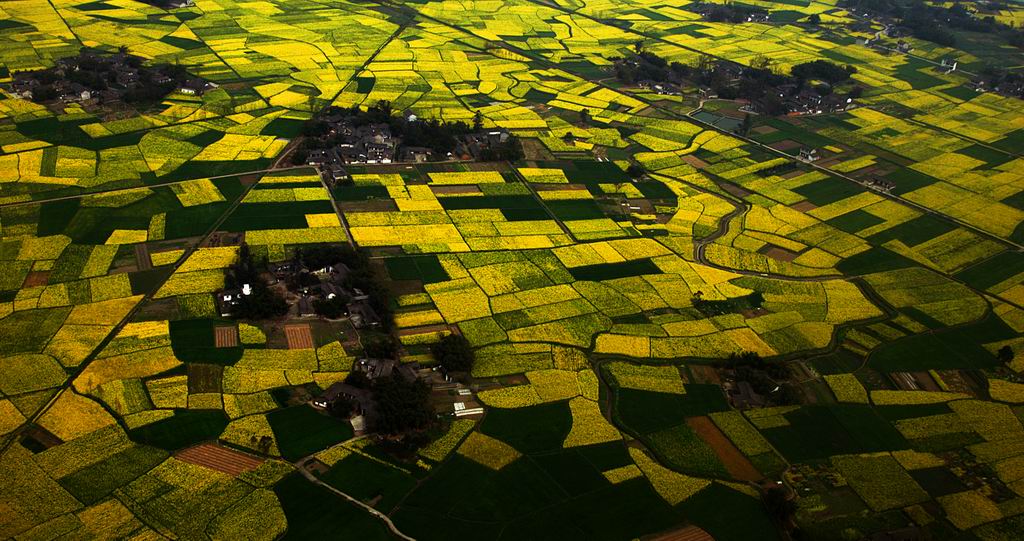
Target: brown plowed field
[(689, 533), (219, 458), (299, 336), (226, 337), (36, 278), (703, 373), (734, 461)]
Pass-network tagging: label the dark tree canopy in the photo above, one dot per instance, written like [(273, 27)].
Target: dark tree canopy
[(402, 406), (331, 308), (358, 379), (341, 407), (378, 345), (439, 136), (822, 70), (454, 353), (262, 302), (362, 275), (935, 23)]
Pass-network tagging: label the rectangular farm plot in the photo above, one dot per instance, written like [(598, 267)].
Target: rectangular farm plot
[(735, 463), (299, 336), (226, 337), (219, 458)]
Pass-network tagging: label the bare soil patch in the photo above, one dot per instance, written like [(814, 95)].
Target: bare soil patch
[(225, 337), (925, 381), (142, 260), (689, 533), (785, 144), (804, 206), (448, 189), (423, 330), (373, 205), (734, 461), (36, 278), (779, 254), (204, 378), (554, 186), (695, 161), (219, 458), (299, 336), (703, 373), (735, 189), (533, 149)]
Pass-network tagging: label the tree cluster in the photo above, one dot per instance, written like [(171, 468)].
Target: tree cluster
[(362, 276), (1005, 81), (402, 406), (439, 136), (757, 83), (379, 345), (262, 302), (823, 70), (332, 308), (766, 378), (454, 353), (935, 23), (509, 151), (97, 72), (646, 66), (729, 12)]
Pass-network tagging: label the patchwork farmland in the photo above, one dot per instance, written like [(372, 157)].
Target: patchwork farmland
[(508, 270)]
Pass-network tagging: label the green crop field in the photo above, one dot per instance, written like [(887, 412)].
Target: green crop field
[(595, 270)]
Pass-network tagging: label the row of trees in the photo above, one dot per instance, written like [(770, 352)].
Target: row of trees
[(441, 137), (758, 83)]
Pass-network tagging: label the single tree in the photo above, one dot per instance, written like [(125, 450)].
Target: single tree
[(761, 62), (748, 123)]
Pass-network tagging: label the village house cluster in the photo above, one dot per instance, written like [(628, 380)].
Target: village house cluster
[(93, 78), (447, 397), (363, 416), (375, 144), (369, 144), (305, 290)]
